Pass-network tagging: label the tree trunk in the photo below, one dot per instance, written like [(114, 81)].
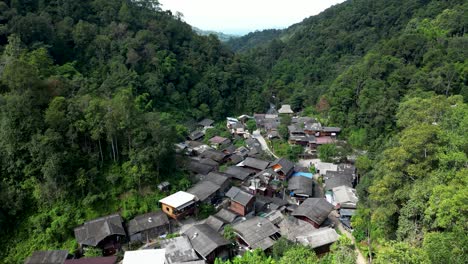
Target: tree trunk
[(100, 152)]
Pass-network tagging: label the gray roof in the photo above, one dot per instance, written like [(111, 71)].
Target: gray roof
[(214, 155), (346, 168), (239, 196), (301, 185), (253, 143), (292, 227), (178, 250), (209, 161), (273, 203), (196, 135), (229, 149), (204, 190), (338, 178), (347, 212), (217, 178), (204, 239), (147, 221), (315, 209), (331, 129), (214, 222), (197, 167), (47, 257), (236, 158), (94, 231), (320, 237), (286, 165), (239, 172), (255, 163), (345, 196), (295, 128), (256, 232), (303, 120), (206, 122), (226, 216)]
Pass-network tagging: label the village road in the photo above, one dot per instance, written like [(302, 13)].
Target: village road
[(360, 259), (257, 135)]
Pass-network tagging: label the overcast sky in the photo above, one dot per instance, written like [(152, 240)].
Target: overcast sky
[(243, 16)]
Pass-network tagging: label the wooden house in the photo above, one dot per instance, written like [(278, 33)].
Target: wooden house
[(148, 226), (242, 202), (106, 233), (178, 205), (313, 210)]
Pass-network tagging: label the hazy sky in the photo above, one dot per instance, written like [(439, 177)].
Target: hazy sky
[(243, 16)]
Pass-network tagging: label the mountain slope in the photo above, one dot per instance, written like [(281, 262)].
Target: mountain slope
[(93, 94)]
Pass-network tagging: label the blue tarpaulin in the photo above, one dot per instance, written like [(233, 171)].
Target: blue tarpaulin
[(303, 174)]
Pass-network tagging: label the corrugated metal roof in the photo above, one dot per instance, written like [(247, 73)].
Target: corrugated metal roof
[(178, 199)]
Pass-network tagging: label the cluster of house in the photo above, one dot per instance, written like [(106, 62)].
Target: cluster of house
[(304, 131), (262, 200), (307, 131)]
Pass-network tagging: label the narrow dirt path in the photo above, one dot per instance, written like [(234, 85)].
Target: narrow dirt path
[(359, 257)]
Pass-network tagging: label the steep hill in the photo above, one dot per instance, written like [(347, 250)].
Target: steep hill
[(93, 94)]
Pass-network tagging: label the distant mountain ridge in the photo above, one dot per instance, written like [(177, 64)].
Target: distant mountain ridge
[(223, 37)]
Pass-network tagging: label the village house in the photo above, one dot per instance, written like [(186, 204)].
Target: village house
[(239, 173), (215, 223), (323, 167), (256, 232), (196, 135), (205, 191), (227, 216), (164, 186), (209, 162), (320, 240), (285, 110), (283, 167), (178, 205), (106, 233), (148, 226), (266, 183), (334, 179), (207, 242), (195, 167), (266, 204), (47, 257), (235, 159), (179, 250), (205, 123), (221, 179), (254, 164), (297, 136), (345, 217), (242, 203), (218, 142), (229, 150), (313, 210), (344, 197), (301, 186), (147, 256), (215, 155)]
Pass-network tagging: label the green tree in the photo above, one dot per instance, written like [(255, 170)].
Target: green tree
[(327, 152)]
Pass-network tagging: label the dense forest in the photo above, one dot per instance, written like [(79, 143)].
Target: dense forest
[(93, 96), (94, 93)]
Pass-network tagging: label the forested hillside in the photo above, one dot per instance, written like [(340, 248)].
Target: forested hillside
[(394, 74), (93, 94)]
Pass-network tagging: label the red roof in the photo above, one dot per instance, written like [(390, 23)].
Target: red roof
[(97, 260), (323, 140)]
